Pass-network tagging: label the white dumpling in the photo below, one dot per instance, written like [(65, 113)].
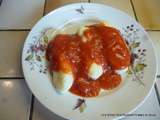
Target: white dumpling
[(51, 33), (62, 81), (80, 33), (95, 71)]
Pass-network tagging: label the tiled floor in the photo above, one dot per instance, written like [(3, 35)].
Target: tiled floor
[(123, 5), (42, 113), (15, 99), (148, 13), (20, 14), (53, 4), (15, 15), (11, 44)]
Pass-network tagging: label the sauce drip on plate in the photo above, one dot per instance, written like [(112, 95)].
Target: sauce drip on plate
[(99, 44)]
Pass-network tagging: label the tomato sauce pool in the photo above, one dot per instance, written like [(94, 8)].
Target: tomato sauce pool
[(99, 44)]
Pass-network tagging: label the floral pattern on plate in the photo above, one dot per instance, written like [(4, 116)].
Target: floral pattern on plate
[(138, 61), (36, 54)]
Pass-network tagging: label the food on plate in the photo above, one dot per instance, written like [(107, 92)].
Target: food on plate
[(88, 61), (62, 81), (95, 71)]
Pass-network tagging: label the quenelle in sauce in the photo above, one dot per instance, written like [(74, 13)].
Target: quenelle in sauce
[(90, 59)]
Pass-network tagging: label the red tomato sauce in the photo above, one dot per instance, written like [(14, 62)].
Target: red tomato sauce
[(104, 46)]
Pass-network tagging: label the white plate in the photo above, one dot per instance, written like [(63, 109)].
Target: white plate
[(136, 86)]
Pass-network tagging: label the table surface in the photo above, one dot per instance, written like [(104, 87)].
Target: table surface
[(16, 20)]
